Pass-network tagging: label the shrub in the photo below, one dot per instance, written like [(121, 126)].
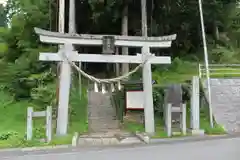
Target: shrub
[(8, 135), (158, 99), (39, 132)]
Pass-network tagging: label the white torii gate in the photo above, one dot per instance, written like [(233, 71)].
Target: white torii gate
[(97, 40)]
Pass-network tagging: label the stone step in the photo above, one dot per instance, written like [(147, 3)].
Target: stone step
[(102, 120), (97, 130), (89, 141), (108, 112), (101, 113), (104, 124), (99, 127), (99, 139)]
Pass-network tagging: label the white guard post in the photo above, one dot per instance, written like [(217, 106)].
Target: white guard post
[(195, 107), (97, 40), (31, 114)]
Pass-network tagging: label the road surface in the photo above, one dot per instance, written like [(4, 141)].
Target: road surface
[(224, 149)]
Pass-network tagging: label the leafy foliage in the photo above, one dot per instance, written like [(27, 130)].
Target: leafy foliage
[(2, 16), (21, 47), (22, 74), (7, 135)]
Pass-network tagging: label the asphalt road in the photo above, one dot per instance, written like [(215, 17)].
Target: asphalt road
[(224, 149)]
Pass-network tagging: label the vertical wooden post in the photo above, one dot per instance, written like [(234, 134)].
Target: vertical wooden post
[(49, 123), (72, 21), (29, 123), (199, 70), (61, 14), (72, 29), (125, 66), (117, 64), (61, 28), (168, 119), (183, 119), (195, 117), (80, 81)]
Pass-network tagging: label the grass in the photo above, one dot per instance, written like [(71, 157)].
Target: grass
[(182, 71), (225, 72), (179, 73), (13, 114), (133, 127), (185, 71), (205, 124), (78, 120), (159, 126), (13, 122)]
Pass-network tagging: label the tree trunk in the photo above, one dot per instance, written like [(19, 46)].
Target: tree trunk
[(216, 31), (125, 67), (117, 66), (215, 26)]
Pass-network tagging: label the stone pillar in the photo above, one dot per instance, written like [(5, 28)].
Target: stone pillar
[(29, 123), (168, 119), (195, 107), (183, 119)]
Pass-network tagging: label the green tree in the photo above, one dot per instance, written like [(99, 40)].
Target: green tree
[(105, 17), (22, 71), (2, 16)]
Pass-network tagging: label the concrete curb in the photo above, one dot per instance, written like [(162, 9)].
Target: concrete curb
[(35, 148), (191, 139), (151, 142)]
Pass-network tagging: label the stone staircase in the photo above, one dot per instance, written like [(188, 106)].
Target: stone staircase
[(101, 113), (104, 128), (225, 94)]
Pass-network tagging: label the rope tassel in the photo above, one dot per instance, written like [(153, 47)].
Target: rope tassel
[(119, 85), (96, 87), (103, 88), (112, 87)]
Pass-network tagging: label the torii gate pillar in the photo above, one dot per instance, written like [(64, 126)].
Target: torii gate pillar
[(148, 98)]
